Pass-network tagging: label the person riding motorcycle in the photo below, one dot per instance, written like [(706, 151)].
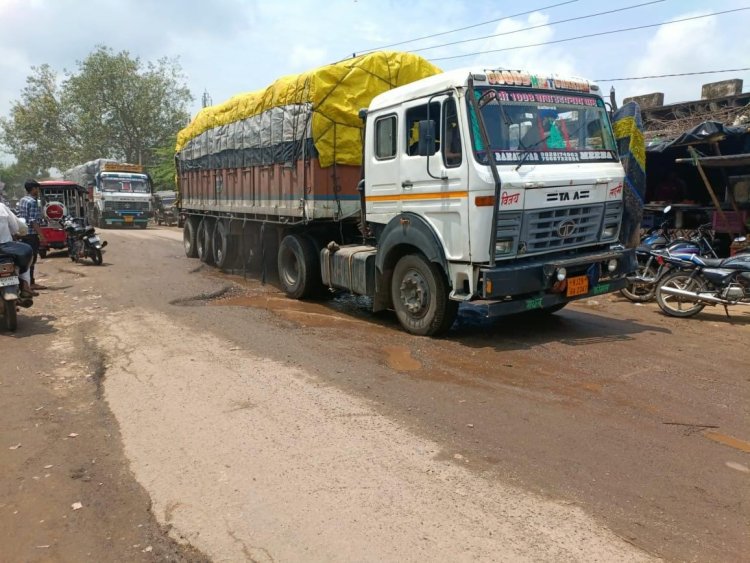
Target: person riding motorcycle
[(10, 228)]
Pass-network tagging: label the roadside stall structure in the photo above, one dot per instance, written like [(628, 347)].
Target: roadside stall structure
[(704, 175)]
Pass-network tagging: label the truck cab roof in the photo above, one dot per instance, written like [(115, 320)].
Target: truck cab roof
[(482, 77)]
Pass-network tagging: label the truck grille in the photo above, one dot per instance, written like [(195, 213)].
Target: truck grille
[(126, 205), (567, 227)]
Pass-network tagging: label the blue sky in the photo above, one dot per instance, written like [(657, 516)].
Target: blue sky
[(231, 46)]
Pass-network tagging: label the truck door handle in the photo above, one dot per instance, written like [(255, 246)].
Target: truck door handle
[(407, 184)]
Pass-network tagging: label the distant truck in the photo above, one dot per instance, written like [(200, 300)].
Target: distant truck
[(119, 193), (500, 189), (165, 210)]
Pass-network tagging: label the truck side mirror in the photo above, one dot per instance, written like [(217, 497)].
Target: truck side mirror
[(426, 146)]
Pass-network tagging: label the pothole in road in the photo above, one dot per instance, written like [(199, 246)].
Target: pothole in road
[(72, 272), (204, 298)]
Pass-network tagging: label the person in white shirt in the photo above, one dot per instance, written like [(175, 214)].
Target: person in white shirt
[(11, 227)]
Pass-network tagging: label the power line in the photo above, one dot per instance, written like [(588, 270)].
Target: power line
[(670, 75), (463, 28), (538, 26), (590, 35)]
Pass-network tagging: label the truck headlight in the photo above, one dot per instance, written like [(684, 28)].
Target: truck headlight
[(609, 232), (504, 246)]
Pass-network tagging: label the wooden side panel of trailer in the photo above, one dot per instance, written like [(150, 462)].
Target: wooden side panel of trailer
[(302, 190)]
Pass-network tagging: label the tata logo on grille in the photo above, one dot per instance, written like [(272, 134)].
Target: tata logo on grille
[(566, 229), (568, 196)]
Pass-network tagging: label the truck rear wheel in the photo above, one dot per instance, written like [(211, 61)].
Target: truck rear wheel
[(203, 240), (223, 250), (188, 238), (420, 296), (299, 270)]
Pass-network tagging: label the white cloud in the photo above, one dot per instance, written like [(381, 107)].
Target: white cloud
[(684, 47), (232, 46)]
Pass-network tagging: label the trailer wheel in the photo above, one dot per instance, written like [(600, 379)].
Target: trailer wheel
[(299, 270), (420, 296), (188, 238), (223, 250), (203, 241)]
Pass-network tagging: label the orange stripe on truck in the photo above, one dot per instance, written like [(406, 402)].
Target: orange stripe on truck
[(401, 197)]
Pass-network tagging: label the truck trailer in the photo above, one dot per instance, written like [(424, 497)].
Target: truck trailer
[(383, 176), (119, 192)]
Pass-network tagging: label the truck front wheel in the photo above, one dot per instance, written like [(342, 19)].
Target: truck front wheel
[(299, 270), (420, 296)]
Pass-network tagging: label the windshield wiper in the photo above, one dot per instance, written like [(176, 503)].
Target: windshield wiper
[(527, 150)]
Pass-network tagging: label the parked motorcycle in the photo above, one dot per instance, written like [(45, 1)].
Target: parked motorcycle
[(652, 265), (697, 281), (9, 292), (83, 242)]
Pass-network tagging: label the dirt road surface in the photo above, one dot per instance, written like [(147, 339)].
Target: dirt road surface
[(196, 415)]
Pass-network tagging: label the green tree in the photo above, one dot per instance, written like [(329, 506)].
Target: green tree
[(34, 133), (13, 176), (113, 106), (163, 172)]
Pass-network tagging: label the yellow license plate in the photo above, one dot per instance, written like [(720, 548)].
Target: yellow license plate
[(578, 285), (128, 218)]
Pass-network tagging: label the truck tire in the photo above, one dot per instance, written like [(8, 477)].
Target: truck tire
[(189, 239), (299, 267), (222, 247), (203, 241), (420, 296)]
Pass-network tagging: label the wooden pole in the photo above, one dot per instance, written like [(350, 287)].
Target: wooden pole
[(696, 161)]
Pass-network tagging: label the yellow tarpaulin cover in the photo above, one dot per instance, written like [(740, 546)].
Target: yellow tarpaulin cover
[(337, 92)]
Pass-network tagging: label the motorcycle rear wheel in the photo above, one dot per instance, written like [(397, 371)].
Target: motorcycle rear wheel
[(677, 306), (10, 315), (642, 292)]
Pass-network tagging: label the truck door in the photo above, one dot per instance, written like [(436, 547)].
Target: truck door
[(436, 187), (383, 178)]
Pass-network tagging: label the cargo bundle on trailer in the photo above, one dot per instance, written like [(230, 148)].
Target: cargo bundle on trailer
[(500, 189)]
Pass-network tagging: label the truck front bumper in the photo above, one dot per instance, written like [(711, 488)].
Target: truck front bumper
[(125, 218), (514, 288)]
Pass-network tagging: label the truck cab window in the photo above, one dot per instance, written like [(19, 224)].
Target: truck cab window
[(385, 137), (452, 152), (413, 117)]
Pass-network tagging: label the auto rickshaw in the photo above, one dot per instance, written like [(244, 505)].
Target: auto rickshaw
[(58, 199), (165, 209)]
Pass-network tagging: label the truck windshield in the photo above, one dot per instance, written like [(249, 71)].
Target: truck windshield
[(538, 126), (124, 184)]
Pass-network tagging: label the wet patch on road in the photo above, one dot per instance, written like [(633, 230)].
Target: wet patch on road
[(399, 358)]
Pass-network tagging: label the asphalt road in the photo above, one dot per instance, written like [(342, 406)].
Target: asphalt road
[(228, 422)]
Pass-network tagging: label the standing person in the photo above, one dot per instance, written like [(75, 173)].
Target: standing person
[(10, 228), (28, 209)]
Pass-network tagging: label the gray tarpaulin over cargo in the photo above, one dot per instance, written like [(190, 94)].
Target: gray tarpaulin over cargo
[(706, 132)]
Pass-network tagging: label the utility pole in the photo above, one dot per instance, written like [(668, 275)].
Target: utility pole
[(206, 99)]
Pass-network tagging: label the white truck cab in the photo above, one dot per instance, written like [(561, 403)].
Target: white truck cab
[(513, 181)]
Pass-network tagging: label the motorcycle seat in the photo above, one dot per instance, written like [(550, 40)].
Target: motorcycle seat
[(710, 262)]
